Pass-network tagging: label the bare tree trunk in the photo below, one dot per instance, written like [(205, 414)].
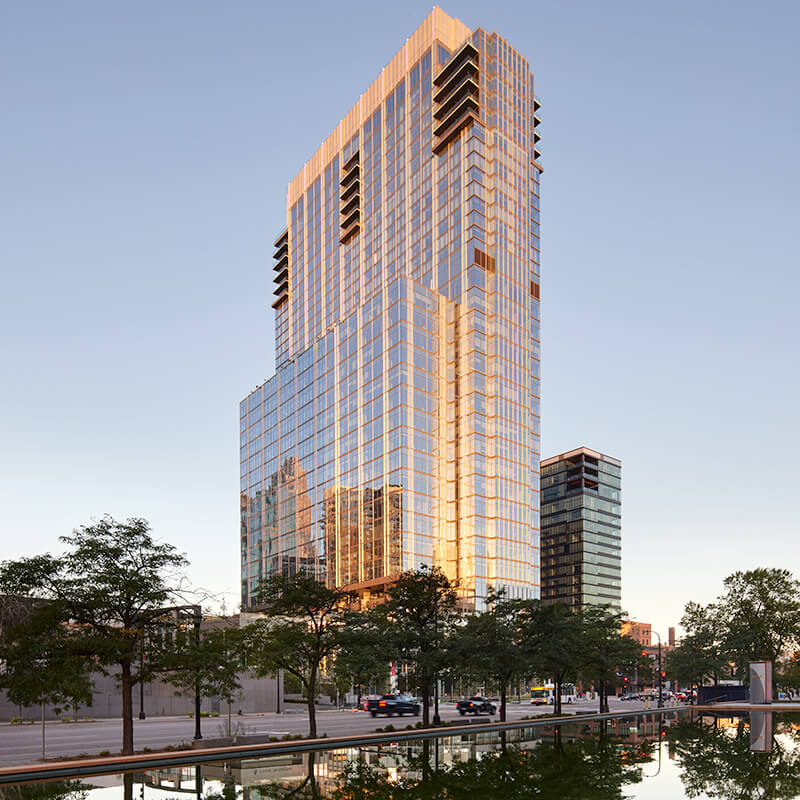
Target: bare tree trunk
[(127, 708), (502, 702), (311, 688), (557, 697), (42, 731), (426, 705)]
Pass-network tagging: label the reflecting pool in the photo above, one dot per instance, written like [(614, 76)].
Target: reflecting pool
[(677, 755)]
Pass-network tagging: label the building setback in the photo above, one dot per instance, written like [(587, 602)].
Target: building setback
[(581, 529), (402, 425)]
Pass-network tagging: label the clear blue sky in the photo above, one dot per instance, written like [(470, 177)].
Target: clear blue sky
[(144, 153)]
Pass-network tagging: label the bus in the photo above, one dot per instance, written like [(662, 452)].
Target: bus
[(543, 695)]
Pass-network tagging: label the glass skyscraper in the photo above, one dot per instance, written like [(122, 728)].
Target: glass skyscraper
[(402, 425), (581, 529)]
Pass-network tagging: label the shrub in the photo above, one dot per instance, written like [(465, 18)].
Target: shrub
[(66, 719), (215, 713), (104, 753), (16, 720)]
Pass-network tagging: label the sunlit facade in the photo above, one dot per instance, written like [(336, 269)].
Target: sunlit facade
[(402, 424)]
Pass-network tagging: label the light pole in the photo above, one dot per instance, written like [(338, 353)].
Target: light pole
[(197, 613), (142, 715), (660, 679)]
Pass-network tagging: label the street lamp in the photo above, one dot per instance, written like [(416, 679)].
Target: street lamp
[(660, 675), (142, 715)]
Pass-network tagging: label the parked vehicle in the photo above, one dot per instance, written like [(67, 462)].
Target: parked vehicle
[(391, 704), (629, 696), (475, 705)]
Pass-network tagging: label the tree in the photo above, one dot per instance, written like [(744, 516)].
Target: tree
[(701, 653), (419, 611), (361, 660), (212, 665), (107, 592), (604, 650), (761, 610), (489, 646), (583, 769), (41, 665), (718, 762), (302, 628), (555, 636)]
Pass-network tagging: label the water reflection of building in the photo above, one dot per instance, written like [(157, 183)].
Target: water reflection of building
[(407, 296)]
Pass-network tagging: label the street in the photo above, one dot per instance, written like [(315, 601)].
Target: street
[(21, 744)]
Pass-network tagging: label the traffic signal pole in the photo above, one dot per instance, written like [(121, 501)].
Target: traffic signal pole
[(660, 675)]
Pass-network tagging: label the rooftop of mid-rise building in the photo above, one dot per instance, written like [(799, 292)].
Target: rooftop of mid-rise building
[(578, 451)]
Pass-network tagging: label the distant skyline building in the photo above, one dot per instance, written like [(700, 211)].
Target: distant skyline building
[(581, 537), (641, 632), (402, 425)]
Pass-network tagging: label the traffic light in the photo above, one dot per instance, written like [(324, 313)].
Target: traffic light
[(663, 674)]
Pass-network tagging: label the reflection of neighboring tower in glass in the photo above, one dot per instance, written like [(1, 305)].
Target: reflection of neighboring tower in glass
[(402, 424)]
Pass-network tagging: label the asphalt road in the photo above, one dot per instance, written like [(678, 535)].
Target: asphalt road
[(22, 744)]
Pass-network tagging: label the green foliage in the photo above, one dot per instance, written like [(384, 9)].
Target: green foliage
[(493, 647), (361, 659), (100, 601), (556, 634), (302, 628), (761, 611), (604, 651), (757, 618), (718, 762), (212, 662), (577, 770), (414, 623), (43, 662)]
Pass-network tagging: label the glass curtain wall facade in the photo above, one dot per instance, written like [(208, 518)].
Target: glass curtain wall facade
[(581, 529), (402, 425)]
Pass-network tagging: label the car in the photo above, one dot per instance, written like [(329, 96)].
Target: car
[(629, 696), (391, 704), (476, 705)]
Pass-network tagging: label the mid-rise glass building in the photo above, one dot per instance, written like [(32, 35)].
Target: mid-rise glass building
[(581, 529), (402, 425)]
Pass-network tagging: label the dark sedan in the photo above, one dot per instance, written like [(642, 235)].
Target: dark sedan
[(476, 705), (391, 704)]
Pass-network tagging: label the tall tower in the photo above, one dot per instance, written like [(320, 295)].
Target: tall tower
[(581, 529), (402, 425)]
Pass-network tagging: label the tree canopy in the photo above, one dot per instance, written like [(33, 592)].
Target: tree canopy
[(101, 599)]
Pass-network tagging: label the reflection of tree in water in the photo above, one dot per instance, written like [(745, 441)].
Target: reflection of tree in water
[(55, 790), (579, 770), (718, 762)]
